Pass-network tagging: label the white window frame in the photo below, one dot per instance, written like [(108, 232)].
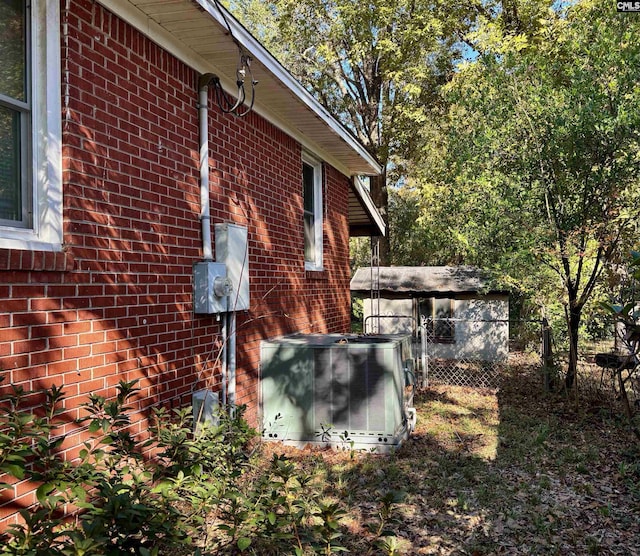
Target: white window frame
[(316, 164), (43, 170)]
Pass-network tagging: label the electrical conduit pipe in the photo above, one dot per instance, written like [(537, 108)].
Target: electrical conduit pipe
[(228, 356), (203, 115)]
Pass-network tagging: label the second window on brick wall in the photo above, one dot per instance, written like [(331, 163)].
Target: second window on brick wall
[(312, 191), (15, 115)]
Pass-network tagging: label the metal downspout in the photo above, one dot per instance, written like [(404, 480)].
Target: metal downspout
[(223, 358), (228, 356), (203, 116), (232, 361), (228, 351)]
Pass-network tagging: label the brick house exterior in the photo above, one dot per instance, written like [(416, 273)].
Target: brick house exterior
[(108, 294)]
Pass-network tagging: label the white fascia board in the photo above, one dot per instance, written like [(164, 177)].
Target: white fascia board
[(370, 206), (138, 19)]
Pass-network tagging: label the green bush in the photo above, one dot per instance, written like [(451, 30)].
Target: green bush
[(122, 512), (202, 493)]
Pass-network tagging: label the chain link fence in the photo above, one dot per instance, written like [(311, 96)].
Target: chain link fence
[(474, 353), (465, 352)]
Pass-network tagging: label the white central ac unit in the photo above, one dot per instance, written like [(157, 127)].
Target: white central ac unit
[(333, 389)]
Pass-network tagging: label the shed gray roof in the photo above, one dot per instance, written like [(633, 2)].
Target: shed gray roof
[(423, 279)]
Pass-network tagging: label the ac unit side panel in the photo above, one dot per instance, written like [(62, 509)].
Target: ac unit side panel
[(389, 362), (395, 393), (398, 385), (369, 399), (323, 404), (341, 388), (287, 390), (359, 393)]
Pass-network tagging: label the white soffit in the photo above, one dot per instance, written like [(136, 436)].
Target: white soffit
[(195, 31), (364, 217)]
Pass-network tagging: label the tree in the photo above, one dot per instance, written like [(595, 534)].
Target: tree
[(545, 125), (377, 67)]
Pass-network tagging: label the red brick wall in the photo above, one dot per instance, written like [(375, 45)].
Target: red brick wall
[(117, 303)]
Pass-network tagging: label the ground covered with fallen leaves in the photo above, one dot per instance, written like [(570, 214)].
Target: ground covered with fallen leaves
[(513, 471)]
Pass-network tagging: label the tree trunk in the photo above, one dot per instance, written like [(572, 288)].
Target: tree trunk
[(380, 197), (574, 317), (547, 354)]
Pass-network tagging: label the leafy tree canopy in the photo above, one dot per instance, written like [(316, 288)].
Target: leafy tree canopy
[(377, 66), (537, 172), (509, 128)]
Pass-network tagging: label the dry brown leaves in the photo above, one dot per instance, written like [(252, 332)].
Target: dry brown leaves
[(518, 471)]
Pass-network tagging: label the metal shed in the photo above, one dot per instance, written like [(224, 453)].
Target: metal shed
[(466, 315)]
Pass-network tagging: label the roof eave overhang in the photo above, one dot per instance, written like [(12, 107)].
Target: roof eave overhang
[(280, 98), (260, 54), (359, 290), (364, 217)]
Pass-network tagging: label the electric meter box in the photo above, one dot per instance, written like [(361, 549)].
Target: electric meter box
[(211, 288), (206, 409)]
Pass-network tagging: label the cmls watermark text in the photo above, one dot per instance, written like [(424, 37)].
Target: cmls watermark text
[(628, 6)]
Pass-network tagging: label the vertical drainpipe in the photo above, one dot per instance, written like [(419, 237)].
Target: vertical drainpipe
[(223, 359), (205, 211), (232, 360), (203, 114)]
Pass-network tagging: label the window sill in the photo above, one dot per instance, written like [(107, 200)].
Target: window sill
[(51, 261), (320, 274)]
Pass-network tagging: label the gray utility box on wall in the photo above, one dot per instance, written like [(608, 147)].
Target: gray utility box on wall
[(232, 250), (316, 388), (223, 286), (206, 408)]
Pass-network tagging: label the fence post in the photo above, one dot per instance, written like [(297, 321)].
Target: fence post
[(423, 353), (547, 354)]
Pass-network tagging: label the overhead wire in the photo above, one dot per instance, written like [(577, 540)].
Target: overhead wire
[(224, 101)]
